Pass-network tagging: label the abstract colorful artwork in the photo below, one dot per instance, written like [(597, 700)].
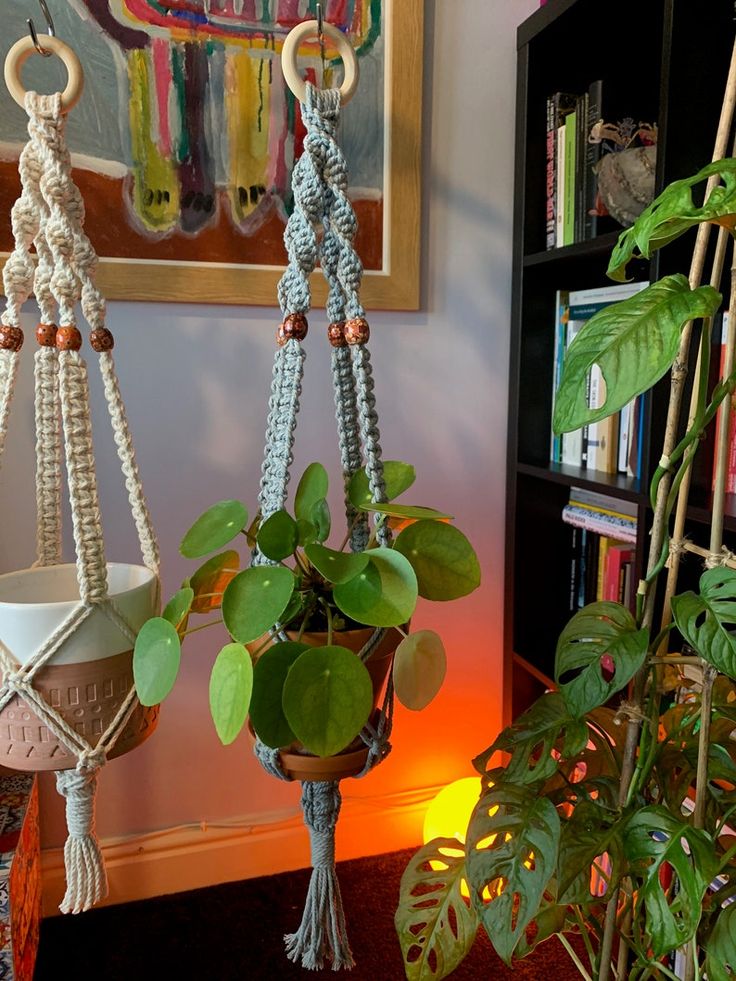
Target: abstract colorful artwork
[(186, 135)]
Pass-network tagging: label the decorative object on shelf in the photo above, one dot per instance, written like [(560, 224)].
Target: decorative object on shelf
[(326, 632), (616, 824), (67, 699), (187, 169), (626, 172)]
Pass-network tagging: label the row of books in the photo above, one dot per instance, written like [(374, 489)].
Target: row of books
[(603, 544), (612, 445), (571, 156)]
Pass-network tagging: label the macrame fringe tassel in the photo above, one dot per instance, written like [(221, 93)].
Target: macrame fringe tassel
[(322, 934), (86, 878)]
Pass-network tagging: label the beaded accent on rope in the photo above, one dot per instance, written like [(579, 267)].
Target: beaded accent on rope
[(49, 216), (322, 229)]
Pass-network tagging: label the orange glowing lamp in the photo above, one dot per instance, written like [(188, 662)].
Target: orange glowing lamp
[(448, 814)]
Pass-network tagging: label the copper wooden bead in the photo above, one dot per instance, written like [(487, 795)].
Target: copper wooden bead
[(336, 334), (357, 330), (68, 339), (46, 335), (295, 325), (101, 340), (11, 338)]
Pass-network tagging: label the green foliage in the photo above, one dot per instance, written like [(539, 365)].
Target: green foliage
[(397, 477), (267, 710), (384, 594), (336, 567), (231, 683), (211, 580), (408, 511), (213, 529), (591, 832), (177, 609), (513, 838), (720, 947), (633, 343), (327, 698), (156, 659), (704, 619), (278, 536), (599, 630), (311, 490), (435, 926), (443, 559), (255, 600), (420, 665)]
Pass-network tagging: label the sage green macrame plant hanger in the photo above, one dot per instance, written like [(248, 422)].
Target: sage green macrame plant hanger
[(321, 230)]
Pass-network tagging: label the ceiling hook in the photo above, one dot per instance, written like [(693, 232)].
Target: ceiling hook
[(49, 25)]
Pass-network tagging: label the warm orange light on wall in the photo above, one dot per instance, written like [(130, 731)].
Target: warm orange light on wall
[(448, 814)]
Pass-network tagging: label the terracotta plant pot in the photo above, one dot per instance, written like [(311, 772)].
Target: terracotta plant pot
[(296, 762), (87, 680)]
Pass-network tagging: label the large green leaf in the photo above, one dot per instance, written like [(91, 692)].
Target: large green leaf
[(537, 740), (328, 696), (720, 947), (278, 536), (442, 557), (435, 926), (397, 477), (156, 660), (598, 629), (311, 489), (673, 212), (384, 594), (633, 342), (335, 566), (590, 832), (213, 529), (255, 599), (231, 684), (266, 706), (652, 837), (512, 843), (704, 619), (211, 580)]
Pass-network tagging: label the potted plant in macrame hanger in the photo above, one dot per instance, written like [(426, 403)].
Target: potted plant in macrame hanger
[(317, 635)]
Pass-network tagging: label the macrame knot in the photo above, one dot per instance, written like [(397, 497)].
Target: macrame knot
[(716, 560), (85, 869)]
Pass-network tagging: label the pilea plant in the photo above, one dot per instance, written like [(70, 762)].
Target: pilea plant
[(320, 695), (606, 810)]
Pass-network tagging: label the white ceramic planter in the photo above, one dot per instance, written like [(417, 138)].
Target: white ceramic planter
[(87, 681)]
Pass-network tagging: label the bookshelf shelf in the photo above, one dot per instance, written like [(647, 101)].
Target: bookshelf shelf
[(680, 45)]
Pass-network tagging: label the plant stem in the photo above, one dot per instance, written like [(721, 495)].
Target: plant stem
[(202, 626), (328, 614), (573, 956), (586, 938)]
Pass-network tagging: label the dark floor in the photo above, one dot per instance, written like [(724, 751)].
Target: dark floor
[(235, 931)]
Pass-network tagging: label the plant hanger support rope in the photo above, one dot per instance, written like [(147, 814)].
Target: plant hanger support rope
[(48, 218)]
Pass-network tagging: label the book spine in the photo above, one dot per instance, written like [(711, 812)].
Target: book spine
[(581, 110), (622, 529), (560, 188), (555, 451), (624, 420), (568, 203), (595, 454), (603, 548), (592, 156), (550, 173)]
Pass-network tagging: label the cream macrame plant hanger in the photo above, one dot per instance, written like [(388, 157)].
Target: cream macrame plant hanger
[(54, 260)]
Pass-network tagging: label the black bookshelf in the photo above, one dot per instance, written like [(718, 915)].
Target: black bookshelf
[(668, 61)]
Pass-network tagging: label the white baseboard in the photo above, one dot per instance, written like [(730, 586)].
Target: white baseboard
[(176, 859)]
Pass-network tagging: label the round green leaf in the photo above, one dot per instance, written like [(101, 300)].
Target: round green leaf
[(384, 594), (255, 600), (266, 708), (420, 665), (397, 477), (213, 529), (336, 566), (412, 511), (177, 609), (277, 537), (156, 659), (442, 558), (307, 532), (231, 684), (311, 489), (211, 580), (328, 697), (320, 517)]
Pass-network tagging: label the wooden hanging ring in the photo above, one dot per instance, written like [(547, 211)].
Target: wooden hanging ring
[(290, 51), (24, 49)]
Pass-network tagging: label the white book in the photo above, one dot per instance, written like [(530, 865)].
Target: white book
[(572, 443), (623, 437)]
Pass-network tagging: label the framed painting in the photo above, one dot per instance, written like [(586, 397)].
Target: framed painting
[(185, 136)]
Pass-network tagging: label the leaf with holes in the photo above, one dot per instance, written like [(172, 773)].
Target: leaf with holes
[(598, 630), (397, 477), (312, 489), (633, 342), (720, 947), (266, 707), (443, 559), (435, 925), (512, 843), (231, 684), (537, 740), (673, 212), (213, 529), (704, 619), (654, 838), (156, 660), (278, 536), (211, 580), (177, 609), (255, 600), (420, 665), (384, 594), (590, 832), (550, 919)]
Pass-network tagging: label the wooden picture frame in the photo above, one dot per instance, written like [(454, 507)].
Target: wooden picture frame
[(393, 286)]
